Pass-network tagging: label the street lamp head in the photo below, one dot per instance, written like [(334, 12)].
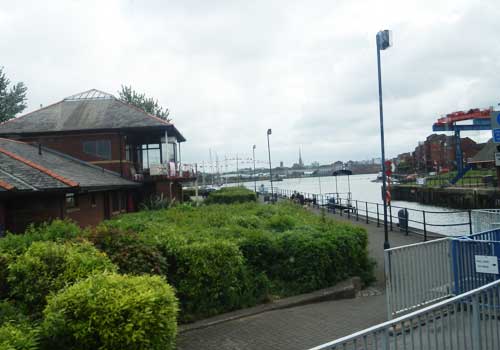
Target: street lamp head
[(269, 132), (253, 147), (384, 39)]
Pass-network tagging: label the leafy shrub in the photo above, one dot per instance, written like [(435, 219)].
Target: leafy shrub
[(317, 260), (210, 278), (18, 336), (47, 267), (10, 313), (110, 311), (130, 252), (4, 272), (230, 195), (157, 202), (261, 251), (56, 231), (281, 223)]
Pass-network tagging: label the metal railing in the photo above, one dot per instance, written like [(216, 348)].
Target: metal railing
[(417, 275), (430, 224), (469, 321)]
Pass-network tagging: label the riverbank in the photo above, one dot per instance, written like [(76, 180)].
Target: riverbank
[(451, 197)]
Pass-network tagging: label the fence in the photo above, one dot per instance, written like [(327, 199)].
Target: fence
[(425, 222), (469, 321), (485, 219), (417, 275)]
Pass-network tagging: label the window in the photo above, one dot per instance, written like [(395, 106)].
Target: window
[(71, 201), (172, 152), (150, 155), (92, 200), (98, 148)]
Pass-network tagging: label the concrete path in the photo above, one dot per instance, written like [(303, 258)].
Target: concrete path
[(305, 326)]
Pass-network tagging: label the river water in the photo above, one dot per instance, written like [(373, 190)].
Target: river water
[(364, 190)]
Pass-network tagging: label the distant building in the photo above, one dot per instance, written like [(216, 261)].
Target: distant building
[(88, 157), (438, 152)]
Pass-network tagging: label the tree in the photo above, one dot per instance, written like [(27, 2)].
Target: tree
[(148, 104), (12, 99)]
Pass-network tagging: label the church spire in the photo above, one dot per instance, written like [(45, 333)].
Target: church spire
[(301, 164)]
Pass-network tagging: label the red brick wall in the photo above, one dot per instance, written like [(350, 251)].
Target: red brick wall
[(22, 211), (72, 144), (163, 187), (2, 217), (86, 214)]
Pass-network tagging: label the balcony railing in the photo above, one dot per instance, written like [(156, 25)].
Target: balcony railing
[(169, 170)]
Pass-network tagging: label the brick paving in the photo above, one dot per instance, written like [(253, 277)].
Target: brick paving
[(305, 326)]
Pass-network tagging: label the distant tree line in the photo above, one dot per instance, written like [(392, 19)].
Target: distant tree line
[(12, 97), (140, 100)]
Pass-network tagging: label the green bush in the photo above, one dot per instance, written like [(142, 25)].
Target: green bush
[(56, 231), (5, 259), (130, 252), (112, 312), (211, 278), (18, 336), (230, 195), (47, 267)]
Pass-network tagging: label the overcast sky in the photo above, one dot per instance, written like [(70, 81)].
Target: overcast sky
[(229, 70)]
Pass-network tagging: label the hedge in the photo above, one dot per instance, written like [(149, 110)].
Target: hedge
[(18, 336), (286, 250), (230, 195), (47, 267), (211, 278), (130, 252), (112, 312), (55, 231)]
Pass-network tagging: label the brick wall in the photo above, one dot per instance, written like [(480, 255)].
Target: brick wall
[(170, 190), (24, 210), (2, 217), (90, 209), (72, 144)]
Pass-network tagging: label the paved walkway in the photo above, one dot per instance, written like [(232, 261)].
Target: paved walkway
[(305, 326)]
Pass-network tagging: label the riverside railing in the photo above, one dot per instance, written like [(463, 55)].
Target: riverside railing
[(469, 321), (425, 222)]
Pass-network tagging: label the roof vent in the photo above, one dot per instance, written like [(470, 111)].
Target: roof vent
[(92, 94)]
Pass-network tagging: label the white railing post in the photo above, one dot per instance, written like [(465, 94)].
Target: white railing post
[(476, 327), (388, 284)]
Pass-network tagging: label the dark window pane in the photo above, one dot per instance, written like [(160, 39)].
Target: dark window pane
[(98, 148), (89, 147), (104, 149), (115, 202), (71, 201)]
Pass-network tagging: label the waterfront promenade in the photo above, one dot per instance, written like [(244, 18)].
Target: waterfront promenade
[(303, 327)]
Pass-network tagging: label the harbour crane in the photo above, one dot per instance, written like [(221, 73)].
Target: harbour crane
[(480, 121)]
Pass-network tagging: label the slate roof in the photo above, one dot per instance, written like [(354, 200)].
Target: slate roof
[(486, 154), (22, 168), (89, 110)]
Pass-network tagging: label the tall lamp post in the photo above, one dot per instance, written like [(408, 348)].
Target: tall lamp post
[(254, 179), (384, 41), (269, 132)]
